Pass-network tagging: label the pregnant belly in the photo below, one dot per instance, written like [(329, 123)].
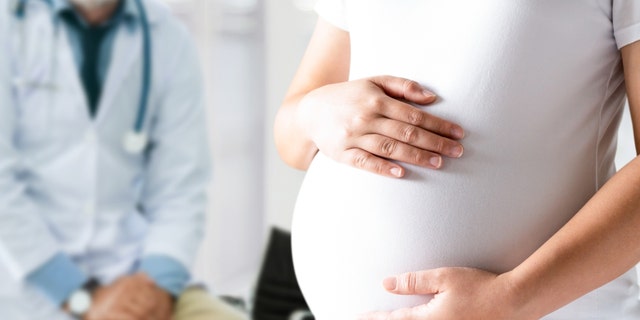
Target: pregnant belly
[(351, 228)]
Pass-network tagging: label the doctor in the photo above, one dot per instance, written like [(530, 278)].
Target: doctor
[(103, 163)]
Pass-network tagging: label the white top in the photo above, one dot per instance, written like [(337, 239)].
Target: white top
[(538, 86)]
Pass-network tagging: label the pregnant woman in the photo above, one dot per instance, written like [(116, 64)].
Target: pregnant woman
[(502, 188)]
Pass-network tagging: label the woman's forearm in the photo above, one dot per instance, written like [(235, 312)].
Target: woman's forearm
[(326, 61), (601, 242), (294, 146)]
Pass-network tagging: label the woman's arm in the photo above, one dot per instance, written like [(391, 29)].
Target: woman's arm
[(325, 62), (364, 123), (601, 242)]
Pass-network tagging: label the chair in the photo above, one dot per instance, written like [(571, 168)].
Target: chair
[(277, 294)]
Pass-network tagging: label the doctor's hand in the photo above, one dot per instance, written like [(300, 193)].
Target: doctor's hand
[(458, 294), (134, 297), (366, 123)]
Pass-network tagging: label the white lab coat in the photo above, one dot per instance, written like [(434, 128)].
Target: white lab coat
[(66, 183)]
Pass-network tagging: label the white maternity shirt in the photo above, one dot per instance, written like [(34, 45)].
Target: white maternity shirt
[(538, 86)]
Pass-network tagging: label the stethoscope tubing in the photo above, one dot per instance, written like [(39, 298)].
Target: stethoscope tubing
[(146, 68)]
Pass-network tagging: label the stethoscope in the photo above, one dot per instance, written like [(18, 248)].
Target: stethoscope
[(135, 140)]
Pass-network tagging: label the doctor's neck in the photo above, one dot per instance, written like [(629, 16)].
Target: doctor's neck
[(96, 14)]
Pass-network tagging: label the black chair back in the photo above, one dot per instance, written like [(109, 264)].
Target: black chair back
[(278, 296)]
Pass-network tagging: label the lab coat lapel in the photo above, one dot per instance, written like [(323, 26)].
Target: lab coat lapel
[(125, 61)]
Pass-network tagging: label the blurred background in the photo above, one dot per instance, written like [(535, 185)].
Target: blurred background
[(250, 50)]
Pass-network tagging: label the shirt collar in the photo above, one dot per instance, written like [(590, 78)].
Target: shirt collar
[(128, 13)]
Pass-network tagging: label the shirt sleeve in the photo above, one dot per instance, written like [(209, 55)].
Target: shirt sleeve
[(58, 278), (626, 21), (166, 272), (334, 12)]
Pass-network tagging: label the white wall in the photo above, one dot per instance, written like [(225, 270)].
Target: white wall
[(288, 30), (249, 51), (230, 38)]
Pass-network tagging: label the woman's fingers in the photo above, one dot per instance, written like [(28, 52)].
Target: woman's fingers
[(420, 282), (372, 151), (400, 111), (368, 124), (417, 137), (366, 161), (420, 312), (389, 148), (401, 88)]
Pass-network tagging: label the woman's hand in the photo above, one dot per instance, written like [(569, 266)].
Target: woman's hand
[(458, 294), (367, 123)]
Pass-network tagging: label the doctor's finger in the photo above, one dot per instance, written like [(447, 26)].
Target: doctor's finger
[(139, 312), (163, 309), (418, 137), (402, 88), (155, 315), (393, 149), (138, 305), (407, 113), (162, 313), (364, 160), (112, 316)]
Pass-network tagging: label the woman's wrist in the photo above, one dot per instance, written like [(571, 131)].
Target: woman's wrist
[(304, 122), (518, 297)]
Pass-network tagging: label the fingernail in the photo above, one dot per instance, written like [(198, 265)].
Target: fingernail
[(456, 151), (428, 94), (435, 161), (390, 283), (457, 133), (396, 172)]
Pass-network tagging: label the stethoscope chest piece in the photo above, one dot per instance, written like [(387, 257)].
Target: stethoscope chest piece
[(135, 142)]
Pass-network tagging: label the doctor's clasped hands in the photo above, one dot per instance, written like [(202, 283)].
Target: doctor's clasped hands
[(134, 297)]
